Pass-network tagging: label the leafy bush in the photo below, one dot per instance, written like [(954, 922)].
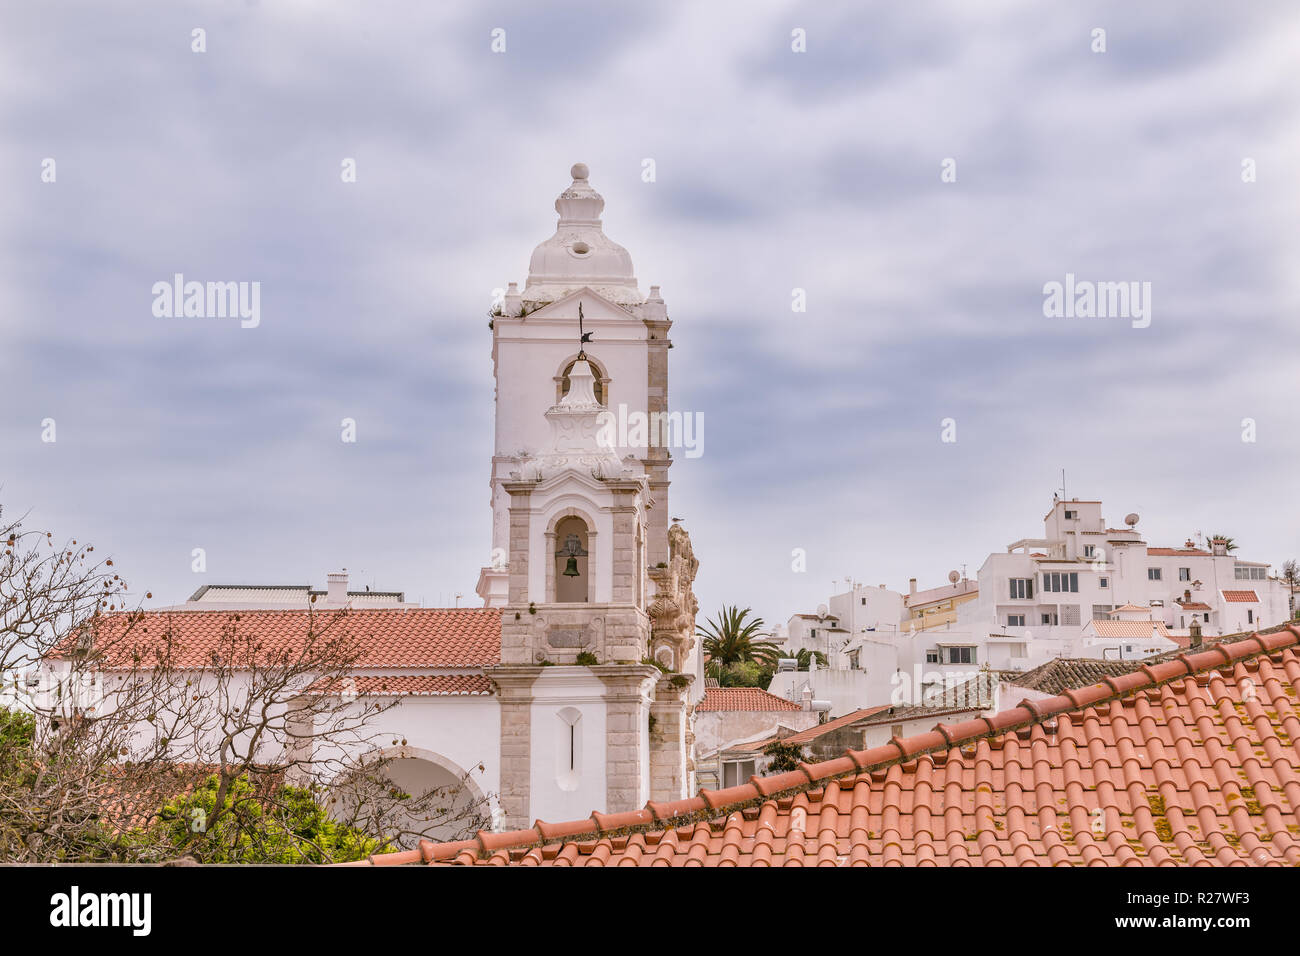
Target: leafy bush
[(784, 756), (287, 825)]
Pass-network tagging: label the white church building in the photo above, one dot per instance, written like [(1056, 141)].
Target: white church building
[(574, 686)]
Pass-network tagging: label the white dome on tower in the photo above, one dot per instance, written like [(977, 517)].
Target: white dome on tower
[(580, 254)]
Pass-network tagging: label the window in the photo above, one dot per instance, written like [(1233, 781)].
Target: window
[(1103, 582), (1250, 616), (1207, 617), (1060, 581), (1101, 612), (853, 660), (1015, 620), (1250, 574), (1184, 574), (734, 774), (864, 602), (1070, 515), (961, 655), (1153, 574), (896, 730), (813, 632), (1089, 550), (568, 752), (1022, 588), (932, 657), (1049, 620)]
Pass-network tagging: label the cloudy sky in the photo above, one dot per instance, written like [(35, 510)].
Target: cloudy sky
[(775, 170)]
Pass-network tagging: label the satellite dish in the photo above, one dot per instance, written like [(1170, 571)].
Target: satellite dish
[(1131, 518), (822, 610), (954, 577)]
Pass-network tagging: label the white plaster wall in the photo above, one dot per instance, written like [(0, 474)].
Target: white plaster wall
[(555, 689), (465, 730), (718, 729), (882, 612)]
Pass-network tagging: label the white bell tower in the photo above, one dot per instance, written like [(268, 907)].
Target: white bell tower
[(591, 581)]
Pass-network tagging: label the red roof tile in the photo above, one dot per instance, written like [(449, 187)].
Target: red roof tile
[(1241, 597), (392, 637), (1177, 552), (1129, 629), (742, 698), (812, 733), (419, 685), (1193, 761)]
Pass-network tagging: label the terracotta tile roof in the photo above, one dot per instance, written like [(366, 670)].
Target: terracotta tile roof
[(1064, 673), (1131, 607), (393, 637), (1193, 605), (415, 685), (1241, 597), (1133, 629), (812, 733), (742, 698), (1177, 552), (1180, 763)]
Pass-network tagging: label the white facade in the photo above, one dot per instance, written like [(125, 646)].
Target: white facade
[(1047, 589), (1034, 602)]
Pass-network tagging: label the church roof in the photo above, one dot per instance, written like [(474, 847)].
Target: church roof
[(410, 685), (1191, 761), (392, 637)]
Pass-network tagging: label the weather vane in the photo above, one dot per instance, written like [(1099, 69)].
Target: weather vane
[(583, 337)]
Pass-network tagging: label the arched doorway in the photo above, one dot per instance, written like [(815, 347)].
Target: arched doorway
[(410, 794)]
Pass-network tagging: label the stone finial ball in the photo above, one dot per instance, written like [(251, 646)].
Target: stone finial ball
[(579, 171)]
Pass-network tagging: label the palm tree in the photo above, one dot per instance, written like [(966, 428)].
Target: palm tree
[(1228, 543), (1291, 575), (732, 637), (805, 658)]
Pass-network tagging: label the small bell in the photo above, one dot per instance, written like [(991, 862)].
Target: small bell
[(571, 568)]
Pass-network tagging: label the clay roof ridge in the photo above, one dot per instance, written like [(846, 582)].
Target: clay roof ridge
[(710, 805)]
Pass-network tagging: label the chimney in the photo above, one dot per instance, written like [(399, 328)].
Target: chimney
[(1187, 596), (807, 697), (1219, 546), (911, 586), (337, 590), (1195, 632)]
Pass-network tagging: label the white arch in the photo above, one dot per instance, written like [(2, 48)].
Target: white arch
[(438, 760)]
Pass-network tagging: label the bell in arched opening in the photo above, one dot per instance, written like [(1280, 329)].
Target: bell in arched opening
[(571, 571)]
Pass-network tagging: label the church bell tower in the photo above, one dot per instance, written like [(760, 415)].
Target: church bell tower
[(599, 665)]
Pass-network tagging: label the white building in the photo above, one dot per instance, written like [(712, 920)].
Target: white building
[(1045, 590), (216, 597), (1082, 590)]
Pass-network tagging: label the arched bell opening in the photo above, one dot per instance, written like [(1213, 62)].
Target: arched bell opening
[(572, 562)]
